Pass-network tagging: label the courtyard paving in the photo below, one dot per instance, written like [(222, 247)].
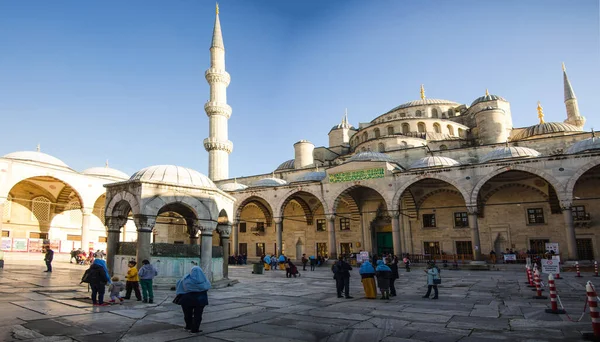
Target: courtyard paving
[(473, 306)]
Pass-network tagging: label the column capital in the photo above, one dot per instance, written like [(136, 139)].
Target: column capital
[(278, 220), (87, 211), (472, 210), (394, 213), (224, 229), (114, 223), (144, 223), (206, 227), (566, 204), (330, 217)]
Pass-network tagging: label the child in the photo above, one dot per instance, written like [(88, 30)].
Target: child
[(146, 273), (115, 289), (132, 282)]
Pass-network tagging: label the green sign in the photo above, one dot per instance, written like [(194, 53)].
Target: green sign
[(356, 175)]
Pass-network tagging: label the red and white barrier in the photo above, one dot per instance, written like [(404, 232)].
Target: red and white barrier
[(577, 269), (595, 268), (554, 306), (594, 313), (530, 273), (527, 274), (538, 286)]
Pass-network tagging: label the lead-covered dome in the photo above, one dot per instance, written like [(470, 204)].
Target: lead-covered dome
[(235, 186), (424, 102), (589, 144), (436, 161), (371, 156), (270, 181), (488, 97), (286, 165), (510, 152), (315, 176), (106, 172), (546, 128), (171, 174), (36, 156)]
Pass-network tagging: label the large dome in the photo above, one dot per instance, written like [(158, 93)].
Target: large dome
[(235, 186), (37, 157), (510, 153), (106, 172), (172, 174), (286, 165), (371, 156), (589, 144), (315, 176), (489, 97), (424, 102), (545, 128), (270, 181), (436, 161)]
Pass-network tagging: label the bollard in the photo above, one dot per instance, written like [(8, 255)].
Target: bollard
[(553, 304), (577, 269), (595, 268), (527, 274), (538, 286), (594, 313), (531, 284)]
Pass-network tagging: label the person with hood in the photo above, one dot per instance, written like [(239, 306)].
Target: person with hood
[(433, 273), (384, 274), (313, 262), (367, 274), (146, 273), (282, 259), (97, 277), (193, 289), (395, 275), (267, 261), (273, 262)]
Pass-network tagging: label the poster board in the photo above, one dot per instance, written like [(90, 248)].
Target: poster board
[(550, 266), (35, 246), (6, 244), (552, 246), (510, 257), (19, 245)]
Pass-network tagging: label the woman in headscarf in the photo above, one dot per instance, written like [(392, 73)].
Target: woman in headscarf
[(193, 289), (384, 274), (367, 273), (102, 263)]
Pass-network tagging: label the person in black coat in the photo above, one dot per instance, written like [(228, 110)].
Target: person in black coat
[(394, 266), (48, 259), (192, 295), (341, 273), (97, 277)]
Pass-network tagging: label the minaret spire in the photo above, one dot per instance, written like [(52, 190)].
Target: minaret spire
[(573, 116), (540, 111), (217, 109), (422, 92)]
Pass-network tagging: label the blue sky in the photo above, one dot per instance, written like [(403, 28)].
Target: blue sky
[(124, 80)]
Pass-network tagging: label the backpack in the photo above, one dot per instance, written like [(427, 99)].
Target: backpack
[(86, 276), (335, 268)]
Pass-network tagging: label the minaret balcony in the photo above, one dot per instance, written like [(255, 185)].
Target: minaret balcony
[(212, 143), (213, 75), (217, 108)]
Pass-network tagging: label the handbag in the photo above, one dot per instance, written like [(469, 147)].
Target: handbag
[(437, 281), (177, 299)]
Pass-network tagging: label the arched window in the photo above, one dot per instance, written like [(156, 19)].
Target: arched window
[(365, 136), (7, 207), (381, 147), (402, 115), (461, 132), (450, 112), (418, 113), (377, 133), (390, 130), (450, 130), (434, 113), (421, 127), (437, 128), (73, 209), (405, 128), (40, 209), (443, 147)]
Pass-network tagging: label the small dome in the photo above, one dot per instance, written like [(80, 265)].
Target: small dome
[(589, 144), (172, 174), (37, 157), (371, 156), (486, 98), (270, 181), (510, 153), (315, 176), (106, 172), (424, 102), (286, 165), (546, 128), (436, 161), (235, 186)]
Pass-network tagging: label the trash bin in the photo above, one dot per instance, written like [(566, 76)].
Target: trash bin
[(257, 268), (369, 287)]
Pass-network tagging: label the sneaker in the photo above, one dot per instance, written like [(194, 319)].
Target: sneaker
[(138, 300), (340, 296), (95, 304), (434, 298), (144, 301), (150, 301)]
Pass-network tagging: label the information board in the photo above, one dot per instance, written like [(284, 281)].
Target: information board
[(6, 244), (552, 246), (510, 257), (19, 245), (550, 266)]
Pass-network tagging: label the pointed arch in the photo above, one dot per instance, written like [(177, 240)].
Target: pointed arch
[(435, 192), (416, 178), (570, 186), (262, 204), (338, 195)]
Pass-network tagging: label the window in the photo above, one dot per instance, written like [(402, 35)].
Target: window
[(579, 214), (464, 247), (429, 220), (434, 113), (242, 227), (538, 245), (5, 233), (35, 235), (437, 128), (344, 223), (321, 248), (73, 209), (178, 242), (421, 127), (260, 226), (243, 248), (381, 147), (402, 115), (461, 133), (40, 209), (535, 215), (443, 147), (365, 136), (377, 133), (73, 237), (461, 220), (390, 130), (103, 239), (418, 113), (405, 128), (431, 247), (585, 249), (346, 248), (450, 130), (260, 249), (321, 225)]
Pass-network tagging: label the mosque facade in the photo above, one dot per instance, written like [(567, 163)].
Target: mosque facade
[(429, 176)]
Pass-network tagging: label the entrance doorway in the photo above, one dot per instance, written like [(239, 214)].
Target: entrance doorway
[(538, 246), (321, 249), (384, 243), (243, 249), (585, 249), (431, 248)]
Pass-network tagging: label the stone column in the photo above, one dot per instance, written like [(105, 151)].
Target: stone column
[(145, 225), (472, 213), (206, 234), (396, 233), (279, 235), (225, 230), (331, 244), (569, 230), (113, 225), (235, 237), (85, 229)]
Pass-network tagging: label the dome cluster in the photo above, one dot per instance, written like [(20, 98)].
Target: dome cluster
[(171, 174), (546, 128)]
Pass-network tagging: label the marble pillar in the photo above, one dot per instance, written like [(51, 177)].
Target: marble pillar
[(85, 229), (279, 233), (235, 238), (331, 244), (145, 225), (569, 231), (113, 227), (396, 239), (206, 235), (473, 225), (224, 231)]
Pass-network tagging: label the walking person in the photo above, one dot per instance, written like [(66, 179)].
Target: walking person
[(406, 261), (146, 273), (304, 262), (341, 273), (115, 289), (383, 274), (48, 259), (132, 282), (433, 279), (395, 275), (193, 290), (313, 262), (97, 277)]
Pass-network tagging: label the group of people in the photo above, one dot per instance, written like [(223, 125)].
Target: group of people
[(240, 259), (83, 258), (291, 270), (386, 272)]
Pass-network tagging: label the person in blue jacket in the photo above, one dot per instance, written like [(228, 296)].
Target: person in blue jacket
[(366, 270), (432, 273), (193, 289), (384, 274)]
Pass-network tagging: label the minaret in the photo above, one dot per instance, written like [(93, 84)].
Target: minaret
[(573, 116), (217, 109)]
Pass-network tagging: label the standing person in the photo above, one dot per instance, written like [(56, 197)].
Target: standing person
[(193, 289), (395, 275), (313, 262), (115, 289), (97, 277), (493, 257), (146, 273), (433, 274), (132, 282), (273, 262), (367, 274), (341, 274), (48, 259), (73, 256), (383, 274), (406, 261), (304, 262)]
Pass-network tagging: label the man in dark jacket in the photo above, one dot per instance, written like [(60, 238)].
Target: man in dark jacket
[(394, 266), (48, 259), (97, 278), (341, 273)]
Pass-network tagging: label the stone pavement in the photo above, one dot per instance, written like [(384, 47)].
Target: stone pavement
[(473, 306)]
